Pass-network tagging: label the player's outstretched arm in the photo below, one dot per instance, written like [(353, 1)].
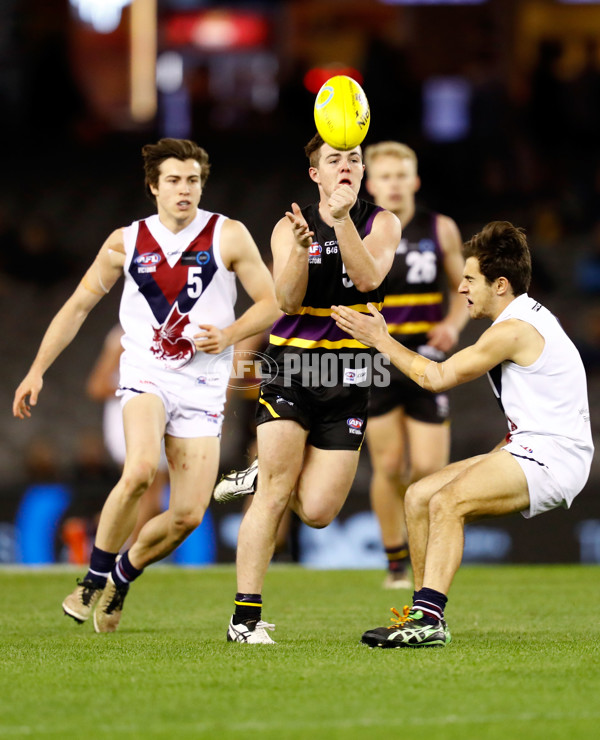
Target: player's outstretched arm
[(290, 241), (241, 255), (97, 281), (507, 340)]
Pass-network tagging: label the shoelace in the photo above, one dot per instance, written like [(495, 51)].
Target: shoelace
[(399, 620), (89, 589), (117, 600), (265, 625)]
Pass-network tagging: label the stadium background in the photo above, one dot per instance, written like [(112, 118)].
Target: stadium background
[(501, 100)]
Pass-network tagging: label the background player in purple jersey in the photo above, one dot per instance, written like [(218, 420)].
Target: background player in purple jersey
[(539, 380), (180, 262), (409, 427)]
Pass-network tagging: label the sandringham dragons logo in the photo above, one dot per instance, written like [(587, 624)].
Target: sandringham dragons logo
[(168, 343)]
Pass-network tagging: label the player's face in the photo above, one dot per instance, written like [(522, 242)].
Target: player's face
[(178, 189), (478, 292), (337, 168), (393, 182)]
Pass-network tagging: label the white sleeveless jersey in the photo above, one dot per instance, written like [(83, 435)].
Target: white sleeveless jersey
[(173, 283), (548, 397)]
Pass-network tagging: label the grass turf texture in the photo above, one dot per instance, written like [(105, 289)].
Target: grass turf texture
[(524, 661)]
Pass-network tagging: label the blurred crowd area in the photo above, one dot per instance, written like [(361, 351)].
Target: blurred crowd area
[(500, 100)]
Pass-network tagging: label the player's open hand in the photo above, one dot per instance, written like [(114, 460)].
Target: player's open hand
[(211, 339), (367, 329), (302, 234), (30, 389)]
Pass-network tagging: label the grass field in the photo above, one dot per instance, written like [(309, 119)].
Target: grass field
[(524, 662)]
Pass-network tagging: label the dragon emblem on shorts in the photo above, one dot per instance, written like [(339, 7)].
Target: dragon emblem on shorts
[(168, 343)]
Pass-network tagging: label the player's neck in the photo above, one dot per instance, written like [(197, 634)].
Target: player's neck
[(173, 224), (406, 215)]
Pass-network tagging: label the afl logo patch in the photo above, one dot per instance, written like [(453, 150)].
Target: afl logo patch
[(314, 249), (355, 423), (150, 258)]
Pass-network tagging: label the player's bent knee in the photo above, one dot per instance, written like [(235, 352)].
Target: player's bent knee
[(416, 497), (389, 468), (317, 518), (185, 524), (443, 504), (138, 476)]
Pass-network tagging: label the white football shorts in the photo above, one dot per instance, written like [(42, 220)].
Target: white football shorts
[(194, 408), (556, 469)]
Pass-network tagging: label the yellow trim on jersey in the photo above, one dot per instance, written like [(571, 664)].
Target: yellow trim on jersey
[(412, 299), (272, 411), (360, 307), (313, 343), (411, 327)]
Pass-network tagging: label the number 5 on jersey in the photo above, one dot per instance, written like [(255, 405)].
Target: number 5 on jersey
[(194, 282)]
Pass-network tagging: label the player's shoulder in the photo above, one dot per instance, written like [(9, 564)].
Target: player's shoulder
[(115, 241), (388, 221), (447, 231)]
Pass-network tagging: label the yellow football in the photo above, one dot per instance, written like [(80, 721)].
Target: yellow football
[(342, 113)]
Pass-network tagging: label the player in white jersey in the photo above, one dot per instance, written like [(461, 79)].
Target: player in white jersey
[(177, 314), (544, 462)]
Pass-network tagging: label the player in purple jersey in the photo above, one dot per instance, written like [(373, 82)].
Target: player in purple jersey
[(177, 314), (312, 414), (409, 427)]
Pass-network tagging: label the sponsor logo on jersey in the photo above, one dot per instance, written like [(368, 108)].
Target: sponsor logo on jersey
[(527, 449), (212, 379), (352, 376), (195, 259), (355, 425), (426, 245)]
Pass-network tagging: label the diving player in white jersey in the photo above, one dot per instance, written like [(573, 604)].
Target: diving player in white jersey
[(544, 462), (177, 313)]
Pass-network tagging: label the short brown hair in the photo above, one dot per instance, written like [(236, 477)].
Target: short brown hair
[(502, 251), (155, 154), (390, 149), (313, 149)]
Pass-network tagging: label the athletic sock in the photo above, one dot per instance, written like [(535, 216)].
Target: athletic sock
[(124, 572), (397, 558), (432, 603), (101, 564), (248, 609)]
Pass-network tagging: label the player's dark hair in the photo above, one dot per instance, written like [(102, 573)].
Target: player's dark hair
[(502, 251), (313, 149), (182, 149)]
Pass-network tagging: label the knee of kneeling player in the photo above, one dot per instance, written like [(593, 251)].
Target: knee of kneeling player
[(445, 505), (317, 518)]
